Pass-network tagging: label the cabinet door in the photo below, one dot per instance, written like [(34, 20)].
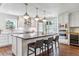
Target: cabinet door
[(74, 39), (40, 28), (74, 19), (4, 40)]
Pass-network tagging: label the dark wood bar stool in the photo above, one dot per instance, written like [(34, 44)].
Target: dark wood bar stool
[(48, 43), (56, 40), (34, 46)]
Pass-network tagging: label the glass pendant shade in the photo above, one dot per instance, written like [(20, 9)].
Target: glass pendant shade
[(37, 17), (44, 19), (26, 16)]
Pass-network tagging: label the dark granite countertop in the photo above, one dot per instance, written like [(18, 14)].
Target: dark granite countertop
[(21, 36)]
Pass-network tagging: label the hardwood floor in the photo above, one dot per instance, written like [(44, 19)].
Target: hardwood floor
[(65, 50), (6, 51)]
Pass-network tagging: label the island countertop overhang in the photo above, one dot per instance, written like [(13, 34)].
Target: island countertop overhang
[(32, 37)]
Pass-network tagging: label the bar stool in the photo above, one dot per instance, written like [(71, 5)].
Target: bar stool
[(56, 40), (48, 43), (35, 45)]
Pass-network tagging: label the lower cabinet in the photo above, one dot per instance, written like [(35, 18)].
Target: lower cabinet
[(5, 40), (74, 39)]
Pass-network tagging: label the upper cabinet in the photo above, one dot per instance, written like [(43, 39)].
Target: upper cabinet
[(74, 19)]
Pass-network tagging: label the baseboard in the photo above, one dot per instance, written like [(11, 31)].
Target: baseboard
[(5, 45), (63, 44)]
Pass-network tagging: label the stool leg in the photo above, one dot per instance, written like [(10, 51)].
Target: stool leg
[(45, 48), (28, 51), (55, 48), (48, 49), (55, 44), (35, 51), (52, 47), (42, 50), (58, 48), (58, 44)]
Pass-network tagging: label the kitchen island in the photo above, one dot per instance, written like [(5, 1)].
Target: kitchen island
[(20, 42)]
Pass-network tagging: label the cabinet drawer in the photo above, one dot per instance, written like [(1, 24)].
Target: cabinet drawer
[(3, 38), (74, 41), (73, 36)]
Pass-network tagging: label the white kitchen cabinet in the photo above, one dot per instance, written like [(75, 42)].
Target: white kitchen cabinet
[(63, 21), (14, 45), (5, 40), (74, 19)]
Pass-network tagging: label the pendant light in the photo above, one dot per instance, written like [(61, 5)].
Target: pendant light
[(37, 17), (26, 15), (44, 19)]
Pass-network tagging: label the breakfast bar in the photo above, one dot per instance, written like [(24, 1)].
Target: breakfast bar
[(21, 41)]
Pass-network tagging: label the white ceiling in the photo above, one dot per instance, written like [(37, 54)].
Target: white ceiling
[(53, 9)]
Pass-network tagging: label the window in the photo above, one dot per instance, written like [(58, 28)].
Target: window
[(52, 26), (11, 24)]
